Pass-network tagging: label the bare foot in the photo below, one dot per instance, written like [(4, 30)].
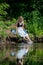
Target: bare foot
[(30, 42)]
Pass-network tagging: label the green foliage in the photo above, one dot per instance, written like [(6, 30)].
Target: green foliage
[(34, 25), (3, 34), (6, 25), (3, 12), (30, 10)]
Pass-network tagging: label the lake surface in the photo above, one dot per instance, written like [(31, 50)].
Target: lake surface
[(34, 45), (20, 46), (7, 52), (38, 45)]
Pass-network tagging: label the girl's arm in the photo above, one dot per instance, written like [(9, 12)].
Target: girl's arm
[(16, 27), (23, 25)]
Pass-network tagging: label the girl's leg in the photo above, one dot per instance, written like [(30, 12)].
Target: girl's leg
[(28, 39), (27, 36)]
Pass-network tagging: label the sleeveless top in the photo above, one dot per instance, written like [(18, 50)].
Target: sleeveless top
[(19, 25)]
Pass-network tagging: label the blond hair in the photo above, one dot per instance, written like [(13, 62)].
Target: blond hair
[(20, 19)]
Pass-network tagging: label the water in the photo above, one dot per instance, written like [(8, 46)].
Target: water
[(7, 52), (34, 45), (20, 46), (38, 45)]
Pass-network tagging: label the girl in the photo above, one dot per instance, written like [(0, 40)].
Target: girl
[(20, 29)]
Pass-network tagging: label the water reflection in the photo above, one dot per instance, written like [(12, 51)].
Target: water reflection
[(21, 46), (16, 48), (38, 45)]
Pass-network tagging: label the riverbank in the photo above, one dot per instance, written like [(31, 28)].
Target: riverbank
[(15, 38)]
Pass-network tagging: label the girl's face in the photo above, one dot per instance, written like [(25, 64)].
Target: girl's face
[(20, 19)]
